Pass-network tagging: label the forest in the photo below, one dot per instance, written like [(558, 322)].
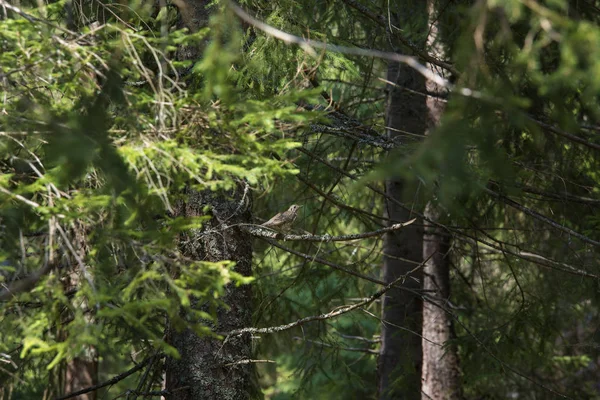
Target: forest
[(280, 199)]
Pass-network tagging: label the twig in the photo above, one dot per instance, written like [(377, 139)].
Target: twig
[(325, 262), (561, 196), (31, 18), (564, 134), (111, 381), (154, 393), (541, 217), (308, 45), (372, 140), (382, 21), (362, 339), (332, 314), (357, 349), (247, 362), (18, 196)]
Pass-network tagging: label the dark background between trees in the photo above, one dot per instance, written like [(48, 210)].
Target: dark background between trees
[(445, 154)]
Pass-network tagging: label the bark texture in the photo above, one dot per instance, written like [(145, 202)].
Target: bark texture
[(79, 372), (399, 361), (210, 368), (440, 377), (440, 373)]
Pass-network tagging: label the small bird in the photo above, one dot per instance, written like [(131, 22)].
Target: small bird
[(284, 220)]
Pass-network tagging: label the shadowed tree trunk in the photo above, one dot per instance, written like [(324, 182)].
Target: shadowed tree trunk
[(402, 374), (80, 372), (399, 363), (400, 355), (440, 374), (210, 368)]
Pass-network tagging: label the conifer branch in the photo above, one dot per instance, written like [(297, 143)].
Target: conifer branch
[(518, 252), (561, 196), (263, 232), (308, 45), (383, 22), (541, 217), (567, 135), (323, 344), (332, 314), (111, 381), (25, 284), (325, 262)]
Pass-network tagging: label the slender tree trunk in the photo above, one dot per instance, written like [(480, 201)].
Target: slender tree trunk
[(399, 362), (440, 374), (440, 377), (400, 355), (402, 352), (80, 372)]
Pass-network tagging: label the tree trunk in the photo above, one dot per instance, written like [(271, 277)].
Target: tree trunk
[(440, 374), (79, 372), (440, 377), (402, 352), (399, 361), (210, 368)]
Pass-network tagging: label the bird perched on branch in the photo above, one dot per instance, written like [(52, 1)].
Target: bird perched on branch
[(284, 220)]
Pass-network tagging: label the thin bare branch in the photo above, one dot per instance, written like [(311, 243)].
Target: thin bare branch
[(382, 21), (111, 381), (542, 218), (332, 314), (323, 344), (263, 232), (308, 45)]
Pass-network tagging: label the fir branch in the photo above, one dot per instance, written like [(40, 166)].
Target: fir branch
[(373, 217), (323, 344), (332, 314), (518, 252), (31, 18), (308, 44), (383, 22), (325, 262), (561, 196), (541, 217), (549, 128), (263, 232)]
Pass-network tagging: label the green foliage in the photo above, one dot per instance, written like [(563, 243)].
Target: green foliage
[(102, 127), (99, 136)]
